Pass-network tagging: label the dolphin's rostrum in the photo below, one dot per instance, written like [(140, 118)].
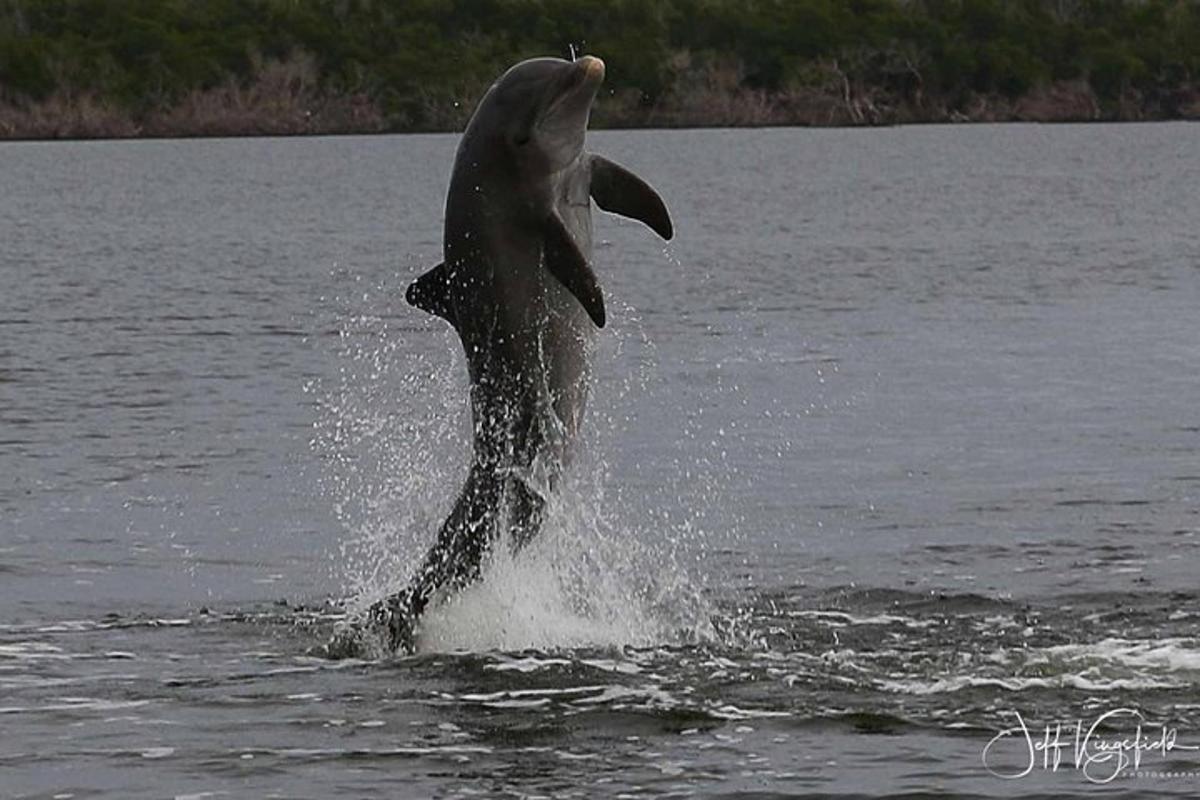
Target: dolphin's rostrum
[(518, 286)]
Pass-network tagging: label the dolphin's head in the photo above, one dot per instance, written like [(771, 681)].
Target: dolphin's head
[(538, 110)]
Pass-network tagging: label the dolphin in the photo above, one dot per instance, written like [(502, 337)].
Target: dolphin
[(517, 285)]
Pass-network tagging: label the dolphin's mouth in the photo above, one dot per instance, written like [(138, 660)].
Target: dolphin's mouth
[(582, 82), (561, 124)]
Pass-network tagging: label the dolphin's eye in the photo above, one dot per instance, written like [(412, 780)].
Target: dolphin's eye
[(521, 139)]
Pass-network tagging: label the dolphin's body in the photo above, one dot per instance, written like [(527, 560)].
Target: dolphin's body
[(517, 285)]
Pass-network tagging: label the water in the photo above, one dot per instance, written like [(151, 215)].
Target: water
[(900, 437)]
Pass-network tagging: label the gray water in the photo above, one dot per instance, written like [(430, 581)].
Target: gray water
[(898, 437)]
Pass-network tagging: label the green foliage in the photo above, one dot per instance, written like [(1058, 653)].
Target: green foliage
[(412, 57)]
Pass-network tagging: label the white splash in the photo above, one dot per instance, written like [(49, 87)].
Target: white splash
[(395, 436), (559, 592)]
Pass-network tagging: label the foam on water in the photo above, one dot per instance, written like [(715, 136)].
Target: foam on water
[(558, 593), (521, 606), (1168, 655)]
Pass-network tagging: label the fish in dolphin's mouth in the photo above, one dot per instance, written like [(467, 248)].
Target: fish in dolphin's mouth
[(593, 68)]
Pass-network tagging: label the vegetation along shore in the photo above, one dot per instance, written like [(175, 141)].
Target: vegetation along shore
[(122, 68)]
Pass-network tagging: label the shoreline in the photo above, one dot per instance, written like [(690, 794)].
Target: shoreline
[(966, 123), (336, 134), (264, 126)]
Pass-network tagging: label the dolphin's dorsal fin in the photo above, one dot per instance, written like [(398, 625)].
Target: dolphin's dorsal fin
[(431, 293), (618, 190), (567, 263)]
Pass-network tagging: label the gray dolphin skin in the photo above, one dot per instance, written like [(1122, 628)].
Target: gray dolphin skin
[(518, 287)]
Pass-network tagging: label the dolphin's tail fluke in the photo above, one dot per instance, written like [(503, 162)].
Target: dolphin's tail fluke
[(488, 499)]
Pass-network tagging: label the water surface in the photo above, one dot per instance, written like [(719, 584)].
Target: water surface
[(899, 436)]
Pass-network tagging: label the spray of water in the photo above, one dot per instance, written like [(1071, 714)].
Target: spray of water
[(608, 569)]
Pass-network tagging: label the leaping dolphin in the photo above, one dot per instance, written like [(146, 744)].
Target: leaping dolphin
[(517, 284)]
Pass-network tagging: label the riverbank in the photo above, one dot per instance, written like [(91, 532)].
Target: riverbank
[(101, 69), (274, 108)]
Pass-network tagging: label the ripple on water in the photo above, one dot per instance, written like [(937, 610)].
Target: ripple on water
[(246, 700)]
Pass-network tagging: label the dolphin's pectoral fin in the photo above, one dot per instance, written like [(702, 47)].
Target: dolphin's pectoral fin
[(619, 191), (431, 293), (567, 263)]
